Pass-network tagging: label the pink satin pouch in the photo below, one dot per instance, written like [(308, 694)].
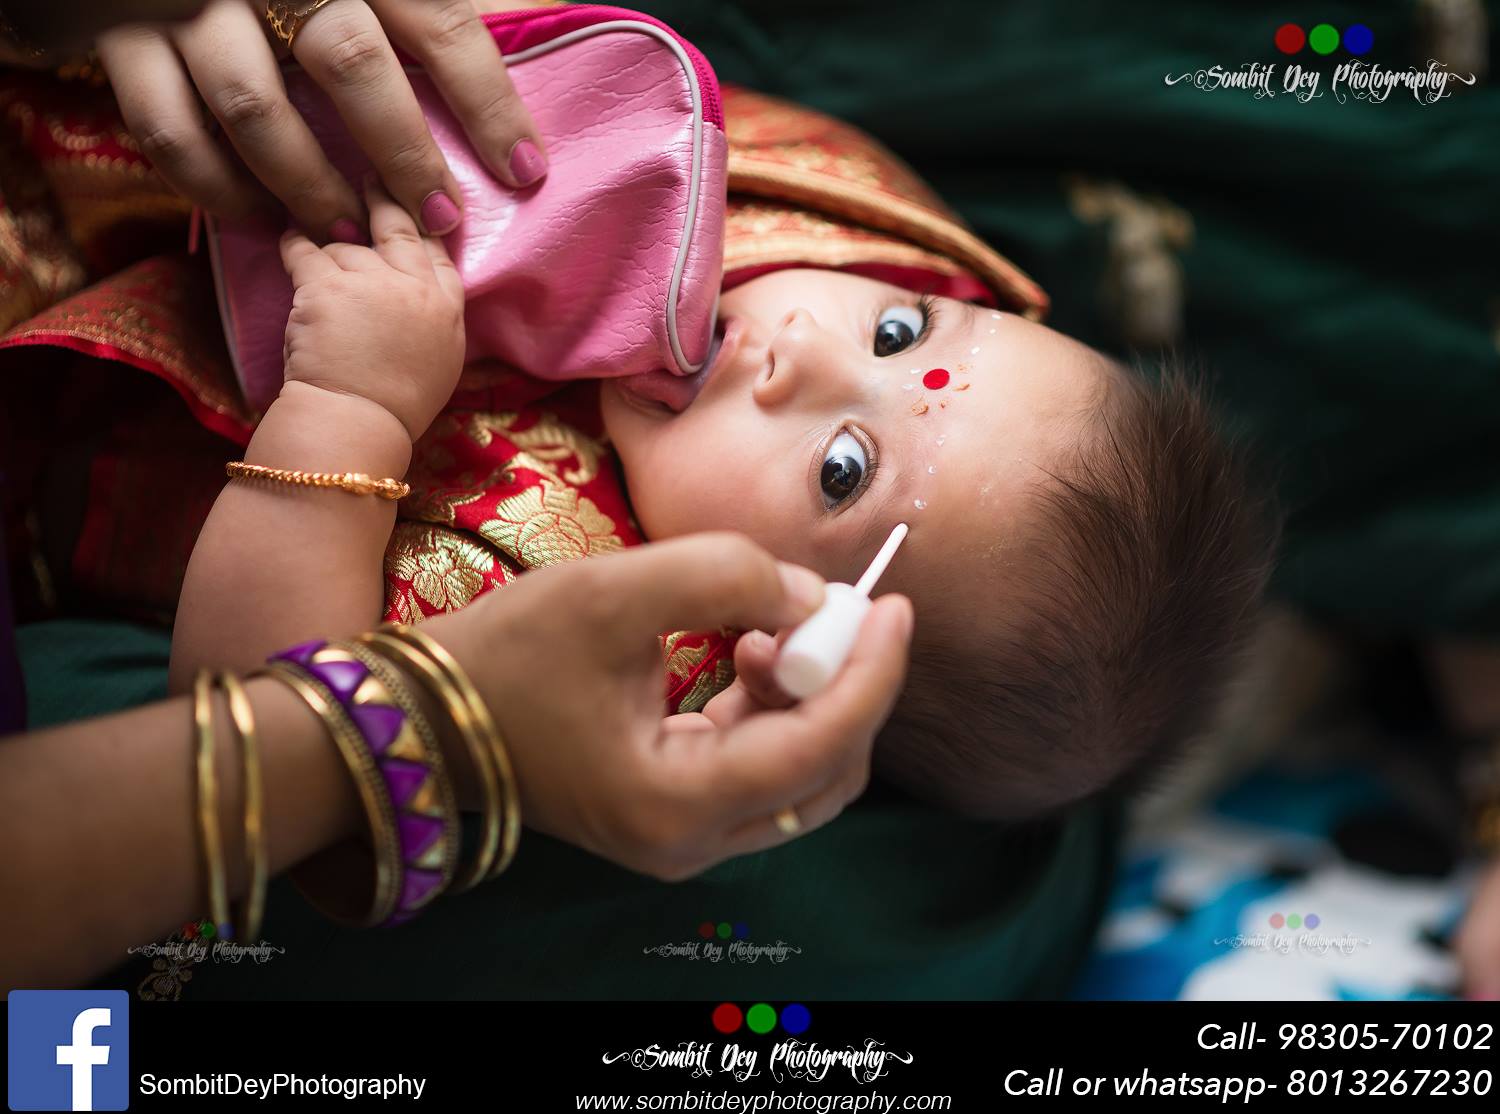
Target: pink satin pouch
[(609, 266)]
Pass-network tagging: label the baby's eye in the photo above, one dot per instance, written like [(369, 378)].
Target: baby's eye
[(897, 329), (844, 465)]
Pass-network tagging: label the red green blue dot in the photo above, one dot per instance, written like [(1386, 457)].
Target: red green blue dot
[(727, 1017), (936, 379), (1324, 38), (760, 1018), (1358, 38), (725, 930), (1312, 920), (741, 930), (795, 1019), (1289, 38), (226, 931), (189, 931), (1293, 920), (1277, 920), (706, 930), (206, 930)]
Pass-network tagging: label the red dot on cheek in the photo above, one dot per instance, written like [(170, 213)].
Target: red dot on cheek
[(936, 379)]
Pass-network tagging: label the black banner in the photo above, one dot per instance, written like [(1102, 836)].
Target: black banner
[(766, 1056)]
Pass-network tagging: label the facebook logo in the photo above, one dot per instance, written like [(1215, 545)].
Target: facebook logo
[(69, 1049)]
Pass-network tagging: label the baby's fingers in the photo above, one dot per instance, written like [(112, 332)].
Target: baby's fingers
[(304, 260), (395, 234), (442, 264)]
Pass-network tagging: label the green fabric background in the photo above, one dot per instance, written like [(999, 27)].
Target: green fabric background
[(1344, 286), (892, 901)]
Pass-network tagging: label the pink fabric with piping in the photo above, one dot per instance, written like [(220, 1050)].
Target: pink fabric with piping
[(570, 278)]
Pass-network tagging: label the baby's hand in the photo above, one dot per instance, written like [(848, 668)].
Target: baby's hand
[(383, 323)]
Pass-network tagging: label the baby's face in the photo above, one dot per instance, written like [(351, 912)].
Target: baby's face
[(833, 411)]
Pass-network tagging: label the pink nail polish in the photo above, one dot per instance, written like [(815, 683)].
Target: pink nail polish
[(439, 214), (345, 231), (527, 164)]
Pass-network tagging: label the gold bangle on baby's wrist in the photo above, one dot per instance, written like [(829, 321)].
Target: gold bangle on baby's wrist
[(356, 483)]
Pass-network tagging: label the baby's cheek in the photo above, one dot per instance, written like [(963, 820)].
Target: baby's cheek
[(664, 505)]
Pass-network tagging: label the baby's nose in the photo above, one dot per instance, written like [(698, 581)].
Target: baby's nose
[(808, 363)]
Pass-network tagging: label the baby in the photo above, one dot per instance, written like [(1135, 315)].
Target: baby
[(1085, 550)]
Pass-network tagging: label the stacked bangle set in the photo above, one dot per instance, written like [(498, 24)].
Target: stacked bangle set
[(362, 693)]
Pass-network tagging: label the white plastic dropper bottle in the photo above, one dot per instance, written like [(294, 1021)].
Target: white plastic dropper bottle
[(815, 652)]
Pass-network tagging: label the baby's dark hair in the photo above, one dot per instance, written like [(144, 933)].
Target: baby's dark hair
[(1131, 610)]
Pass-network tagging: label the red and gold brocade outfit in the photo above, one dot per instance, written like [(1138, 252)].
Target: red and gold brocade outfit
[(513, 475)]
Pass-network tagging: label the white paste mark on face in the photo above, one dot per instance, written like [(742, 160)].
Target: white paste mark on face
[(909, 387), (941, 439), (996, 316), (916, 371), (920, 504), (932, 469), (992, 332), (974, 351)]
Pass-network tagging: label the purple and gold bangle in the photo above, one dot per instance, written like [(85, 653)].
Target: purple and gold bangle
[(398, 767), (426, 808), (324, 879)]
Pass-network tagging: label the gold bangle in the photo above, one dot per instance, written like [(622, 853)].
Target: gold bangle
[(209, 837), (356, 483), (334, 865), (443, 854), (455, 675), (287, 19), (492, 808), (243, 717)]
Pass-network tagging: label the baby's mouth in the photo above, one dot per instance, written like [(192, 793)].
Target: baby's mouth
[(662, 391), (713, 349)]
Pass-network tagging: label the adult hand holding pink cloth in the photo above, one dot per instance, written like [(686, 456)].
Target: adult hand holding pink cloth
[(610, 266)]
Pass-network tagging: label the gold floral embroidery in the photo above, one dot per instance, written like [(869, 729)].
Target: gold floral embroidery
[(402, 603), (439, 502), (548, 523), (707, 686), (545, 445), (445, 569), (682, 660)]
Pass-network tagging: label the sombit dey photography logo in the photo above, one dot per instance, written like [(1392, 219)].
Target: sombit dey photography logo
[(723, 940), (1349, 79), (68, 1049), (807, 1061), (1294, 932)]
